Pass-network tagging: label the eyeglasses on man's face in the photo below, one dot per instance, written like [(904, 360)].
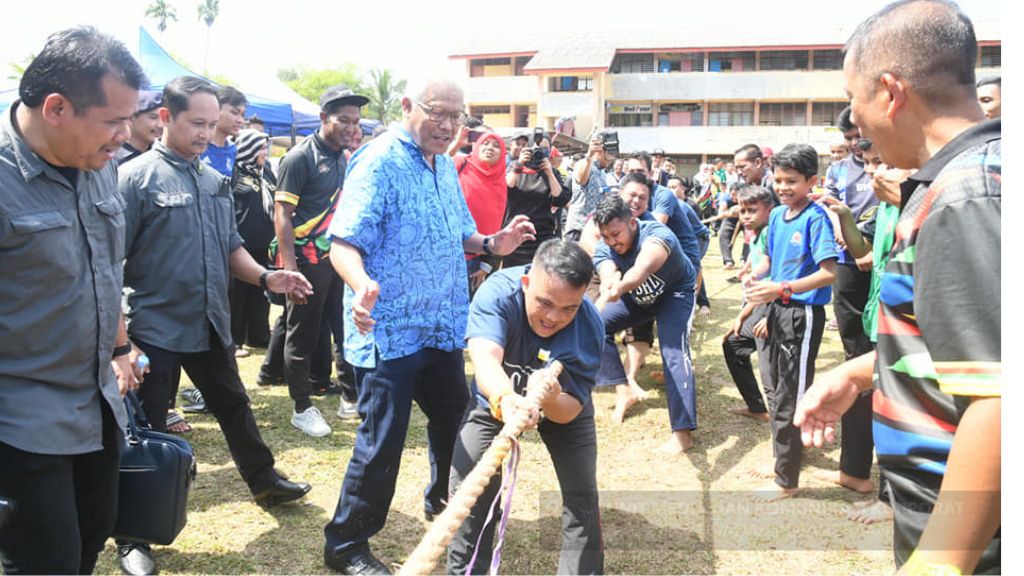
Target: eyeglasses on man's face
[(439, 116)]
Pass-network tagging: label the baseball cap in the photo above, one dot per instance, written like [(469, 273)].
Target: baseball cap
[(658, 152), (342, 92), (148, 100)]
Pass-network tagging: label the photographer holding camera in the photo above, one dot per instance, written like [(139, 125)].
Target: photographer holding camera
[(588, 181), (534, 189)]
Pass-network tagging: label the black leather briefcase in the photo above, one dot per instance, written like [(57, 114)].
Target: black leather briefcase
[(157, 471)]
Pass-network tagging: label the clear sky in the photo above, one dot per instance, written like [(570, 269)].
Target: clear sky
[(257, 37)]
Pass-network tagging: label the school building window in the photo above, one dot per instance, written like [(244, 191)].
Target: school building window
[(681, 114), (782, 114), (731, 62), (825, 113), (680, 62), (629, 115), (991, 56), (731, 114), (490, 67), (570, 84), (828, 60), (784, 60), (479, 111), (633, 64)]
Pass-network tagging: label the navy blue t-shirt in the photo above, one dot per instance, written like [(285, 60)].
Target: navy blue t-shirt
[(798, 245), (675, 274), (665, 202), (498, 314)]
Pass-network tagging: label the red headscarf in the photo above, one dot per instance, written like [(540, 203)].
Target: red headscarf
[(484, 186)]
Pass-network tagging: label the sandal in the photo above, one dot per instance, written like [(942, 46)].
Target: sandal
[(176, 424)]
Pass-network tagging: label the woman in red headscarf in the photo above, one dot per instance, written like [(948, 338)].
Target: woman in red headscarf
[(482, 177)]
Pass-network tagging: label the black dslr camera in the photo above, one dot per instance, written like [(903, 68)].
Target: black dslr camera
[(537, 152), (610, 141)]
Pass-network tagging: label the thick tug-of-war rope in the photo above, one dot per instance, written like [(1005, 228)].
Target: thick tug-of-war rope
[(434, 544)]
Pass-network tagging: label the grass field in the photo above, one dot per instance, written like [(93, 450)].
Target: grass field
[(691, 514)]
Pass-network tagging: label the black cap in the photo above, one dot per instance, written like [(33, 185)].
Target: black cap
[(149, 100), (658, 152), (342, 92)]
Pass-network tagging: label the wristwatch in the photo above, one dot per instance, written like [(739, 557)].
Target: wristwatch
[(123, 349), (263, 280), (785, 292), (487, 245)]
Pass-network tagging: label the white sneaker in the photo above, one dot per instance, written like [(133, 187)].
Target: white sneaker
[(347, 410), (311, 422)]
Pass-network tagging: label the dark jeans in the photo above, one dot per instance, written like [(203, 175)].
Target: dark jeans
[(249, 311), (737, 349), (304, 325), (672, 312), (215, 374), (794, 336), (725, 239), (67, 505), (852, 287), (573, 450), (436, 380)]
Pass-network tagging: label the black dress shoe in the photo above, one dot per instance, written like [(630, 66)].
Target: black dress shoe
[(282, 491), (356, 561), (136, 558)]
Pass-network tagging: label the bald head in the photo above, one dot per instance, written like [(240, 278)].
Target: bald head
[(930, 44)]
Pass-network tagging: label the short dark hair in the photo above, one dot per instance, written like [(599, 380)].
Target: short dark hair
[(843, 120), (611, 207), (800, 157), (565, 260), (749, 151), (638, 178), (73, 63), (930, 43), (178, 91), (997, 80), (643, 157), (865, 144), (752, 193), (231, 96), (676, 177)]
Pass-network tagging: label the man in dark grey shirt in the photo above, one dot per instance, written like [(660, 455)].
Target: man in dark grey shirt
[(61, 243), (182, 245)]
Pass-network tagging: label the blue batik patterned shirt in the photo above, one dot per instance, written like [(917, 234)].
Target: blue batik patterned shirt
[(409, 222)]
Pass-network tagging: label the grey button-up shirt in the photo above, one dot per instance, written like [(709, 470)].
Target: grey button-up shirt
[(60, 291), (180, 231)]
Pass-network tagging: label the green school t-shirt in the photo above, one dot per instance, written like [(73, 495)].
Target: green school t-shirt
[(885, 232)]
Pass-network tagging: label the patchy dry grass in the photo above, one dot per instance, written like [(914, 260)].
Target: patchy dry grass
[(661, 515)]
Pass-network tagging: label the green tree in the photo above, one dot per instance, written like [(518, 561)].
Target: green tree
[(208, 12), (385, 96), (161, 11), (17, 69), (310, 83)]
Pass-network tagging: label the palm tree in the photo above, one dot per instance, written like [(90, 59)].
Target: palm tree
[(161, 11), (385, 96), (208, 12)]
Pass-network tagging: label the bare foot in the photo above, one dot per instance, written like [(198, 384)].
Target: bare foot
[(242, 352), (869, 512), (680, 441), (861, 485), (766, 472), (760, 416), (704, 312), (772, 492), (625, 398), (636, 390), (658, 376)]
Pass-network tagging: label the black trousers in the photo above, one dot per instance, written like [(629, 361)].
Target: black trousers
[(304, 324), (215, 374), (737, 349), (573, 450), (852, 287), (725, 238), (67, 505), (794, 336), (249, 312)]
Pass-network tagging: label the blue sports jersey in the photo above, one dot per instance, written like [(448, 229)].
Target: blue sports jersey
[(797, 246), (696, 225), (675, 274), (665, 202), (220, 158), (498, 314)]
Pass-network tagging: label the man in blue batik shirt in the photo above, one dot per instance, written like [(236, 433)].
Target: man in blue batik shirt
[(399, 237)]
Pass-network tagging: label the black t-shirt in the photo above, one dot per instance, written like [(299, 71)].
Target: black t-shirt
[(531, 196)]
